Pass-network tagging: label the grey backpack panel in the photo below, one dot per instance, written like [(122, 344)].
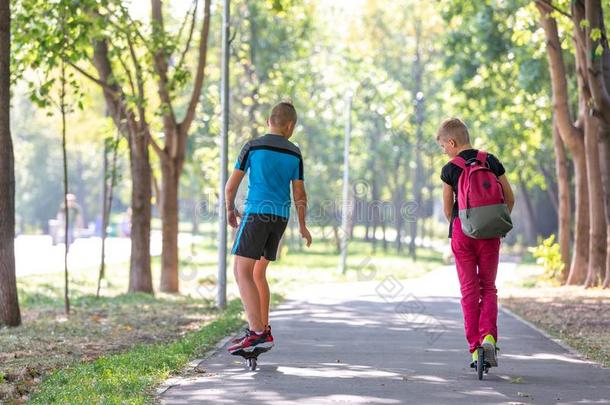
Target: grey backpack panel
[(486, 222)]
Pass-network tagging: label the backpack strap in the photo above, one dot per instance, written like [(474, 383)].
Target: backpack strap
[(482, 157), (459, 162)]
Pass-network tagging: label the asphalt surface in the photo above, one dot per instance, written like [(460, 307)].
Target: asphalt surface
[(391, 342)]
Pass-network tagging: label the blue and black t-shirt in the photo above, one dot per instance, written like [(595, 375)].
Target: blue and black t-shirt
[(273, 162)]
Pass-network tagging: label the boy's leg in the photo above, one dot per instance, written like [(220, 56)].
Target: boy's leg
[(244, 274), (260, 279), (276, 226), (489, 256), (465, 255)]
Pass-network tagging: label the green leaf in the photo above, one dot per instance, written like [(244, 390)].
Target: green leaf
[(596, 34), (599, 50), (584, 23)]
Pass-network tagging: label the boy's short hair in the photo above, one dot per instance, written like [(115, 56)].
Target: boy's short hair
[(282, 114), (454, 128)]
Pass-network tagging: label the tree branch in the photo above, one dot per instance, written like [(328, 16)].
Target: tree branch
[(156, 147), (190, 36), (568, 131), (134, 25), (203, 47), (128, 74), (580, 50), (94, 79), (160, 63), (551, 6), (594, 69), (139, 81)]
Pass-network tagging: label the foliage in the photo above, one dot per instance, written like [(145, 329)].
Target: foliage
[(484, 61), (548, 254), (495, 57)]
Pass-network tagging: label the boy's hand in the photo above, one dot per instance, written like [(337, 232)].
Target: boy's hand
[(306, 235), (232, 216)]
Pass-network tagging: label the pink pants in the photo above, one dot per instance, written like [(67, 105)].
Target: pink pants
[(477, 264)]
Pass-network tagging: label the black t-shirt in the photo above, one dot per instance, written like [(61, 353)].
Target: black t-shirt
[(450, 174)]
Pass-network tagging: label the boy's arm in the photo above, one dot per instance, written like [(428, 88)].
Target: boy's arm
[(447, 201), (300, 202), (509, 197), (230, 193)]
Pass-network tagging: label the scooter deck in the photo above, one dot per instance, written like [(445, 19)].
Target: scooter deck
[(250, 355)]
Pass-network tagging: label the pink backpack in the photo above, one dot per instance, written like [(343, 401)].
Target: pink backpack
[(482, 209)]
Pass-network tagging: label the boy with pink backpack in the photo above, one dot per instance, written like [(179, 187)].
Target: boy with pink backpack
[(477, 202)]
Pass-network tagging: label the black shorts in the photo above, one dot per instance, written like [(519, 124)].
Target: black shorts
[(259, 235)]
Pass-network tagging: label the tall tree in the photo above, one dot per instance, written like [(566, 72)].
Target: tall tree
[(572, 135), (41, 38), (129, 57), (172, 154), (63, 109), (132, 122), (9, 303), (588, 18)]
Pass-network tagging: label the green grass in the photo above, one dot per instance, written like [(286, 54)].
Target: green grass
[(129, 377), (298, 265), (49, 341), (320, 264)]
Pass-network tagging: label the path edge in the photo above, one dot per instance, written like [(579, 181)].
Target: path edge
[(192, 365), (554, 339)]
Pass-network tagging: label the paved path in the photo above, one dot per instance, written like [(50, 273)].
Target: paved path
[(394, 342)]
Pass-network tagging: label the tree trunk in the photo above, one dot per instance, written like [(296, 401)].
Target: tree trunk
[(375, 209), (579, 265), (81, 191), (107, 194), (351, 217), (138, 135), (140, 278), (597, 230), (367, 219), (176, 133), (551, 186), (564, 212), (9, 303), (169, 216), (384, 228), (195, 217), (530, 221), (337, 238), (67, 238), (398, 222), (597, 73), (104, 221), (604, 157)]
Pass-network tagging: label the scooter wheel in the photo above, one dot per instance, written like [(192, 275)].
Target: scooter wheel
[(481, 362)]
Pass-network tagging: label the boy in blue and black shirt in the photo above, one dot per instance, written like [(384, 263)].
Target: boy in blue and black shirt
[(273, 164)]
